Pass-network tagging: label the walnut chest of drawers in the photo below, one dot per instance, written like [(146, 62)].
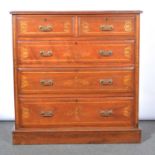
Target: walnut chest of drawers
[(76, 77)]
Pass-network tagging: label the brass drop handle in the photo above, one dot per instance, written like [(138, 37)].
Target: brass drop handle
[(46, 28), (106, 27), (105, 53), (106, 113), (106, 81), (46, 113), (46, 82), (46, 53)]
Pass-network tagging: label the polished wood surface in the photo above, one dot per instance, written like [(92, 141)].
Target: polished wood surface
[(79, 112), (73, 82), (106, 25), (79, 136), (45, 25), (76, 77), (73, 53)]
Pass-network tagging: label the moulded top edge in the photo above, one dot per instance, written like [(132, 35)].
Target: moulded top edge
[(75, 12)]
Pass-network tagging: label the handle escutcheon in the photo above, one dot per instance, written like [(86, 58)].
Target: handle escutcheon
[(46, 53), (105, 53), (47, 28), (106, 81), (46, 114), (106, 27), (46, 82), (106, 113)]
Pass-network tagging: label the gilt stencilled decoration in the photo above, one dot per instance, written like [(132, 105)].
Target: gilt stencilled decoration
[(85, 55), (76, 82), (85, 27), (127, 81), (67, 55), (74, 112), (25, 112), (127, 51), (24, 82), (23, 26), (83, 82), (77, 113), (67, 27), (126, 111), (71, 82), (24, 53), (128, 26), (68, 83)]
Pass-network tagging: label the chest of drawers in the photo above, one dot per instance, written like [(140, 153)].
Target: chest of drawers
[(76, 77)]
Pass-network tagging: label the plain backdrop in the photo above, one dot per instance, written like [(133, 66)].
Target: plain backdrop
[(147, 45)]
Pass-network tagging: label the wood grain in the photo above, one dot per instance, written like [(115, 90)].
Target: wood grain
[(76, 112), (76, 76), (30, 25), (88, 82), (91, 25), (78, 136), (76, 53)]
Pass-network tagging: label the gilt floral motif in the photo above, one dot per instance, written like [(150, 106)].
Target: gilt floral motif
[(127, 81), (67, 26), (127, 51), (24, 82), (25, 112), (128, 26), (126, 111), (85, 27), (23, 26), (24, 53)]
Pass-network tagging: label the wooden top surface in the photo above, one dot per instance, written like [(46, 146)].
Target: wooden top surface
[(75, 12)]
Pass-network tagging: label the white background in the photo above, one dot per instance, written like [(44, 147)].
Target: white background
[(147, 45)]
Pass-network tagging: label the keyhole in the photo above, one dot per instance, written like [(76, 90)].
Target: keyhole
[(45, 19), (106, 19)]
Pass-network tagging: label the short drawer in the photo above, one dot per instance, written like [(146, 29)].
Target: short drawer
[(45, 25), (107, 112), (81, 53), (106, 25), (72, 82)]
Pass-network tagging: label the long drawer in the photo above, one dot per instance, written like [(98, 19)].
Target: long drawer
[(108, 112), (75, 82), (45, 25), (81, 53)]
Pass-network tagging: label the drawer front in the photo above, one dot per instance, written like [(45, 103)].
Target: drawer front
[(70, 82), (75, 53), (43, 25), (106, 25), (104, 112)]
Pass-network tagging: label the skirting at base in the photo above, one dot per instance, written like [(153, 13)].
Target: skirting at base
[(79, 136)]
